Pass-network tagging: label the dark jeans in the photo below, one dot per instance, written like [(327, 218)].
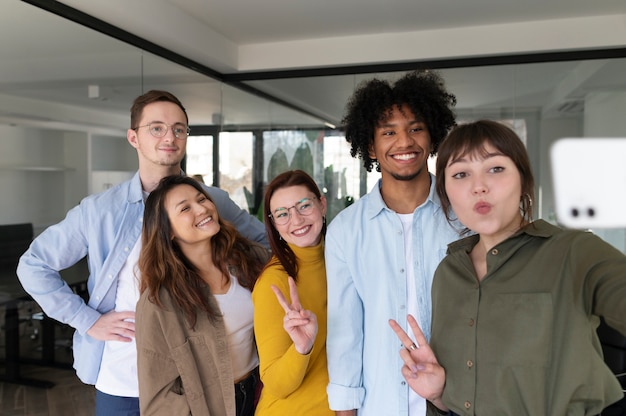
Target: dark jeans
[(107, 405), (245, 393)]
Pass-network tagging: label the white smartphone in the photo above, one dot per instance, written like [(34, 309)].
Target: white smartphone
[(589, 180)]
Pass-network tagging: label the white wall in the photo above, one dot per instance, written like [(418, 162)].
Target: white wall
[(45, 172), (32, 175)]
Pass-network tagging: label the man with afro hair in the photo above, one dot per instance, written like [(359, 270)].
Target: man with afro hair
[(382, 251)]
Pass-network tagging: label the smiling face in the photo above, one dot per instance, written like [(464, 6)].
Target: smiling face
[(164, 151), (300, 230), (193, 217), (401, 146), (484, 189)]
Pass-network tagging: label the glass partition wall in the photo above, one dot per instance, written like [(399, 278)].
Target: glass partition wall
[(74, 86)]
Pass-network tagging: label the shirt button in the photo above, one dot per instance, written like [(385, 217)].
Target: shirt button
[(467, 405), (494, 251), (110, 276), (401, 270), (471, 322), (470, 363), (403, 383), (126, 249)]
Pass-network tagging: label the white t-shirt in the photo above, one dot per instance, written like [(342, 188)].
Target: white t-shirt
[(118, 369), (238, 311), (417, 404)]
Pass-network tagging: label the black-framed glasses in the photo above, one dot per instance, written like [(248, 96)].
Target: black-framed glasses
[(282, 215), (158, 130)]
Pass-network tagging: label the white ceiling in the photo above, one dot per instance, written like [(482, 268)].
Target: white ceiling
[(48, 60), (248, 35)]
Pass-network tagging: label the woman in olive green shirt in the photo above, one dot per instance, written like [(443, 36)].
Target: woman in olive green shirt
[(515, 306)]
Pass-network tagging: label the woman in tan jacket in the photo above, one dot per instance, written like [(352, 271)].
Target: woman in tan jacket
[(194, 319)]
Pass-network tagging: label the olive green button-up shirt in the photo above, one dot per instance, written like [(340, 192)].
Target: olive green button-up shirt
[(523, 340)]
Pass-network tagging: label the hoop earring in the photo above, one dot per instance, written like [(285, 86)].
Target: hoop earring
[(530, 200), (526, 206)]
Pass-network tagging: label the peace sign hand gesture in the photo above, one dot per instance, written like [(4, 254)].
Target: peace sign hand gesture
[(421, 368), (301, 325)]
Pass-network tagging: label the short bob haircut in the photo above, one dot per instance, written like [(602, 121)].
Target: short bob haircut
[(471, 138)]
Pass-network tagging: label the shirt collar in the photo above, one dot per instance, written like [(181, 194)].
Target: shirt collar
[(538, 228), (376, 204), (135, 192)]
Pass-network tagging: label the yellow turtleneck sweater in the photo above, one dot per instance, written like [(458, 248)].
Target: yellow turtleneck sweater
[(293, 384)]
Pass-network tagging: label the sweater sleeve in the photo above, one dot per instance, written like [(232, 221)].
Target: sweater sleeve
[(282, 368)]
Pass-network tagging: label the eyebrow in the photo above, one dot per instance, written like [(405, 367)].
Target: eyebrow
[(163, 122), (386, 124), (184, 200), (485, 156), (296, 203)]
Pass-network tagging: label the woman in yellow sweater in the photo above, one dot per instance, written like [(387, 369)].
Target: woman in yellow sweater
[(290, 314)]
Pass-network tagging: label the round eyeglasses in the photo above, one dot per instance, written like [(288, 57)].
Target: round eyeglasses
[(282, 215), (158, 130)]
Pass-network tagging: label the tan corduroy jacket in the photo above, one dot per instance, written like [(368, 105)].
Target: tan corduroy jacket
[(182, 372)]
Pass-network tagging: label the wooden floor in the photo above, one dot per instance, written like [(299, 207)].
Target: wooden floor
[(68, 397)]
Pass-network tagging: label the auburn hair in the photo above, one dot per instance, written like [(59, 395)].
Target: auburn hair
[(280, 249)]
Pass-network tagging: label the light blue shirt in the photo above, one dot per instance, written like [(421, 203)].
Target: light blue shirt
[(366, 272), (105, 227)]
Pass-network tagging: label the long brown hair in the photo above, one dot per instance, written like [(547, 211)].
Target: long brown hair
[(163, 265), (280, 249), (471, 137)]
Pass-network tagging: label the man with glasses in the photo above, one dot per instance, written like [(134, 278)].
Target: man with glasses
[(382, 251), (106, 227)]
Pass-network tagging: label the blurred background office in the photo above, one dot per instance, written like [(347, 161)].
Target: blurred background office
[(265, 84)]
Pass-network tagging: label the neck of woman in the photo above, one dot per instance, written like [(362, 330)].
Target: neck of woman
[(200, 256), (218, 282)]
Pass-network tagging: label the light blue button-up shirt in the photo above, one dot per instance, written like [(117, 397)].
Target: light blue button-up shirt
[(105, 227), (366, 272)]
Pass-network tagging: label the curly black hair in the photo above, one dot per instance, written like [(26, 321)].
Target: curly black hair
[(422, 91)]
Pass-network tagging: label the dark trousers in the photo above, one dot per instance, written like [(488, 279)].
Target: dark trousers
[(245, 394), (107, 405)]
